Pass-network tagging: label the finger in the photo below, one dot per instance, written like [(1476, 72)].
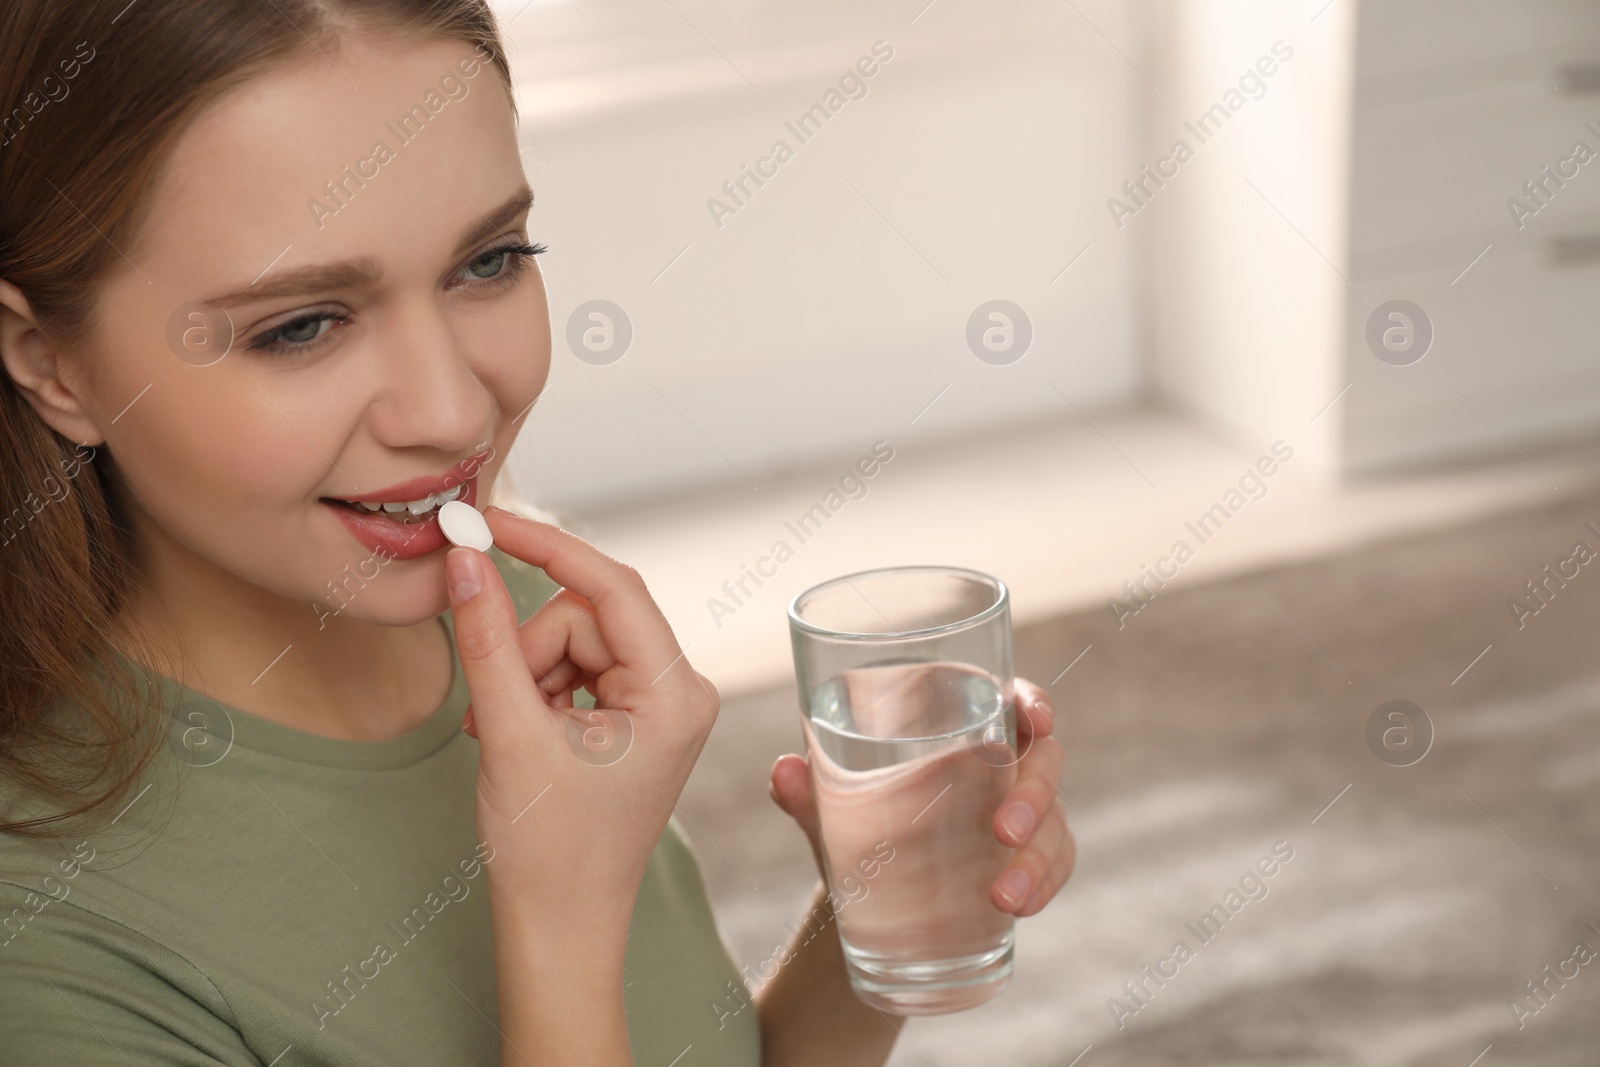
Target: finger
[(627, 617), (1024, 806), (563, 632), (1060, 870), (790, 787), (497, 676), (586, 683), (567, 696), (1029, 867), (1036, 715), (558, 678), (562, 682)]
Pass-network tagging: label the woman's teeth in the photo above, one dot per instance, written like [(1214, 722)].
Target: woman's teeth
[(414, 508)]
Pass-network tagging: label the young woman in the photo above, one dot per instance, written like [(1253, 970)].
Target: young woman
[(267, 298)]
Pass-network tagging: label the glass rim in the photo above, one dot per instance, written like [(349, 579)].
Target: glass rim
[(1001, 601)]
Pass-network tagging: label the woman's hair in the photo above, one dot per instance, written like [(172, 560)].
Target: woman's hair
[(93, 96)]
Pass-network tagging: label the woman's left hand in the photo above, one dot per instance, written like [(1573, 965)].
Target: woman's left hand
[(1030, 818)]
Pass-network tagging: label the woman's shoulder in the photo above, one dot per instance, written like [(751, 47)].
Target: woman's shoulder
[(164, 1009)]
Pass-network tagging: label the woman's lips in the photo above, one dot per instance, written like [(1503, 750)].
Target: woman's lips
[(426, 485), (384, 532)]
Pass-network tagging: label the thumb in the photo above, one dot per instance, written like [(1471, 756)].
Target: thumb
[(498, 677), (790, 789)]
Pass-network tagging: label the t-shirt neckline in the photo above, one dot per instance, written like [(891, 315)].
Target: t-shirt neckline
[(223, 727)]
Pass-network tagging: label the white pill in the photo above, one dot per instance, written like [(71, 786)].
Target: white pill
[(464, 525)]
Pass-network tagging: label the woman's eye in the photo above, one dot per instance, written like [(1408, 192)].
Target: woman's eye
[(489, 264), (302, 331), (296, 333), (499, 265), (502, 265)]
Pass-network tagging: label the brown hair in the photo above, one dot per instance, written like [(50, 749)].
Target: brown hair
[(93, 94)]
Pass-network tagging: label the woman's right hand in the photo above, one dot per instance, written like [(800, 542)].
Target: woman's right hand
[(572, 836)]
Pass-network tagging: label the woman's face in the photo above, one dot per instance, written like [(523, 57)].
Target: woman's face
[(346, 219)]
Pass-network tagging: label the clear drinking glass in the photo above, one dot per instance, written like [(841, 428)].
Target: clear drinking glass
[(910, 725)]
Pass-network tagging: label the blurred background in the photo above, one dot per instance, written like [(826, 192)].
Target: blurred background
[(1088, 270)]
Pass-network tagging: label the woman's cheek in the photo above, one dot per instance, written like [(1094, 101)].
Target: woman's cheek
[(222, 466), (512, 351)]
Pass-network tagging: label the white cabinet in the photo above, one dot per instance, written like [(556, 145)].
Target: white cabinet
[(1456, 108)]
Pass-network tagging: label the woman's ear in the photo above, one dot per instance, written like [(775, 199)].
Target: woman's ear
[(42, 371)]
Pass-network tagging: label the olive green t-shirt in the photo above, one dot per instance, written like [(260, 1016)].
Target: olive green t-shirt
[(273, 897)]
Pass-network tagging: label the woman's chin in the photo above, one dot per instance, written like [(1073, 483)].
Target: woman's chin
[(401, 593)]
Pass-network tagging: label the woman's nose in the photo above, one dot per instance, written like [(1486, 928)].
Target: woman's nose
[(428, 388)]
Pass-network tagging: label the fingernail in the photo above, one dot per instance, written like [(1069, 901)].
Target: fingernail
[(1018, 822), (462, 575), (1014, 886)]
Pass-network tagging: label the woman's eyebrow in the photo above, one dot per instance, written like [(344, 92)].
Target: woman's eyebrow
[(498, 219), (322, 277)]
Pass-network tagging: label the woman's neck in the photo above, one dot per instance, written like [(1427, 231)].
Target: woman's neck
[(278, 658)]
